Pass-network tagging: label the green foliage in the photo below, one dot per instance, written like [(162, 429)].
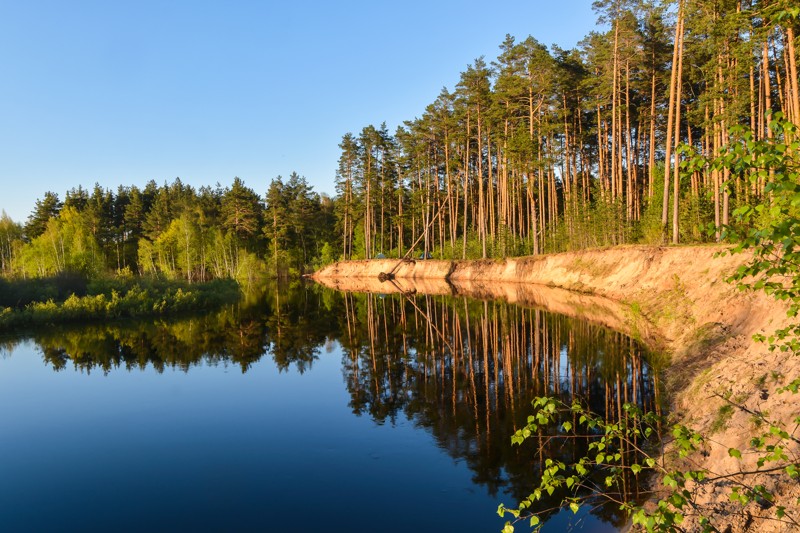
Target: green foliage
[(46, 208), (66, 245), (650, 230), (326, 255), (10, 242), (620, 452), (241, 213), (722, 418), (235, 332), (70, 299), (696, 213), (171, 230), (19, 293), (596, 225), (770, 230), (298, 225)]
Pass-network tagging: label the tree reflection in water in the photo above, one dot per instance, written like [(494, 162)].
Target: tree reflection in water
[(467, 371), (464, 370)]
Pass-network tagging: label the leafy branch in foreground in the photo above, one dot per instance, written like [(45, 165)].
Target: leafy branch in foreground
[(769, 230), (619, 457)]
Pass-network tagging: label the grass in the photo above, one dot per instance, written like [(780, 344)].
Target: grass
[(723, 416), (674, 305), (54, 301), (702, 380), (591, 268), (636, 316)]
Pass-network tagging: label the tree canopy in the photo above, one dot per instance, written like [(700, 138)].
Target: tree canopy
[(538, 150)]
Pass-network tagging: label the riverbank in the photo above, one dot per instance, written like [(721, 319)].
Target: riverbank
[(674, 299), (29, 304)]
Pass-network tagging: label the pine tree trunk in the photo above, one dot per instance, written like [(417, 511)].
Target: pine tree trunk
[(651, 164), (466, 193), (671, 115), (794, 81), (615, 149), (676, 182), (481, 198), (628, 149)]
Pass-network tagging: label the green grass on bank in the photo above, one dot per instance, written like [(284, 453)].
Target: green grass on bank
[(71, 298)]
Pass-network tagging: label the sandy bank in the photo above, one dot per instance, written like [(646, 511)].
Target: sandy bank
[(674, 298)]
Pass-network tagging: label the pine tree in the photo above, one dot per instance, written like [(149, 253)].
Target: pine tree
[(241, 213), (347, 175), (46, 208)]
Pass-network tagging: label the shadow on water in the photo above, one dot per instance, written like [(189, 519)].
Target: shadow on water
[(464, 370)]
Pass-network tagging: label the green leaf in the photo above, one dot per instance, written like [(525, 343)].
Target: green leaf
[(600, 458), (574, 506), (733, 452), (636, 468)]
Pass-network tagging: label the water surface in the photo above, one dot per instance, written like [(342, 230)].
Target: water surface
[(301, 409)]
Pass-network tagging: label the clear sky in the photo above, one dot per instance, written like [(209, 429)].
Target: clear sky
[(121, 92)]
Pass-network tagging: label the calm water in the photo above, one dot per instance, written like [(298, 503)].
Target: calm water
[(299, 410)]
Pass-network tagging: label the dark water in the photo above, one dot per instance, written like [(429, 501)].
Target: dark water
[(299, 410)]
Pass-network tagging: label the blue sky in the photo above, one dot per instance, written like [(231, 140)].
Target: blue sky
[(124, 92)]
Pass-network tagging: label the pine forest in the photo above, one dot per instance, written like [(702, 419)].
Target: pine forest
[(538, 150)]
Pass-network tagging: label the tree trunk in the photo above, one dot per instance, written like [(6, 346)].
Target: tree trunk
[(676, 181), (671, 114)]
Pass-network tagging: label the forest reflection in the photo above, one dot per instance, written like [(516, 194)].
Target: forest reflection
[(464, 370), (467, 371), (289, 324)]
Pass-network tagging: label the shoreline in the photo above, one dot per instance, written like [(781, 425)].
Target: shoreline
[(674, 299)]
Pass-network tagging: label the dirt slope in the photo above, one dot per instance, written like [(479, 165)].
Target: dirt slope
[(674, 298)]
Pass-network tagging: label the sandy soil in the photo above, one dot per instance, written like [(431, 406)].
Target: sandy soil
[(675, 300)]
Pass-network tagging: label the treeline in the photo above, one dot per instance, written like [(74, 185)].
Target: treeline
[(539, 150), (551, 149), (173, 230)]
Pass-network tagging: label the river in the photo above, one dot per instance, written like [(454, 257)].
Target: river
[(300, 409)]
